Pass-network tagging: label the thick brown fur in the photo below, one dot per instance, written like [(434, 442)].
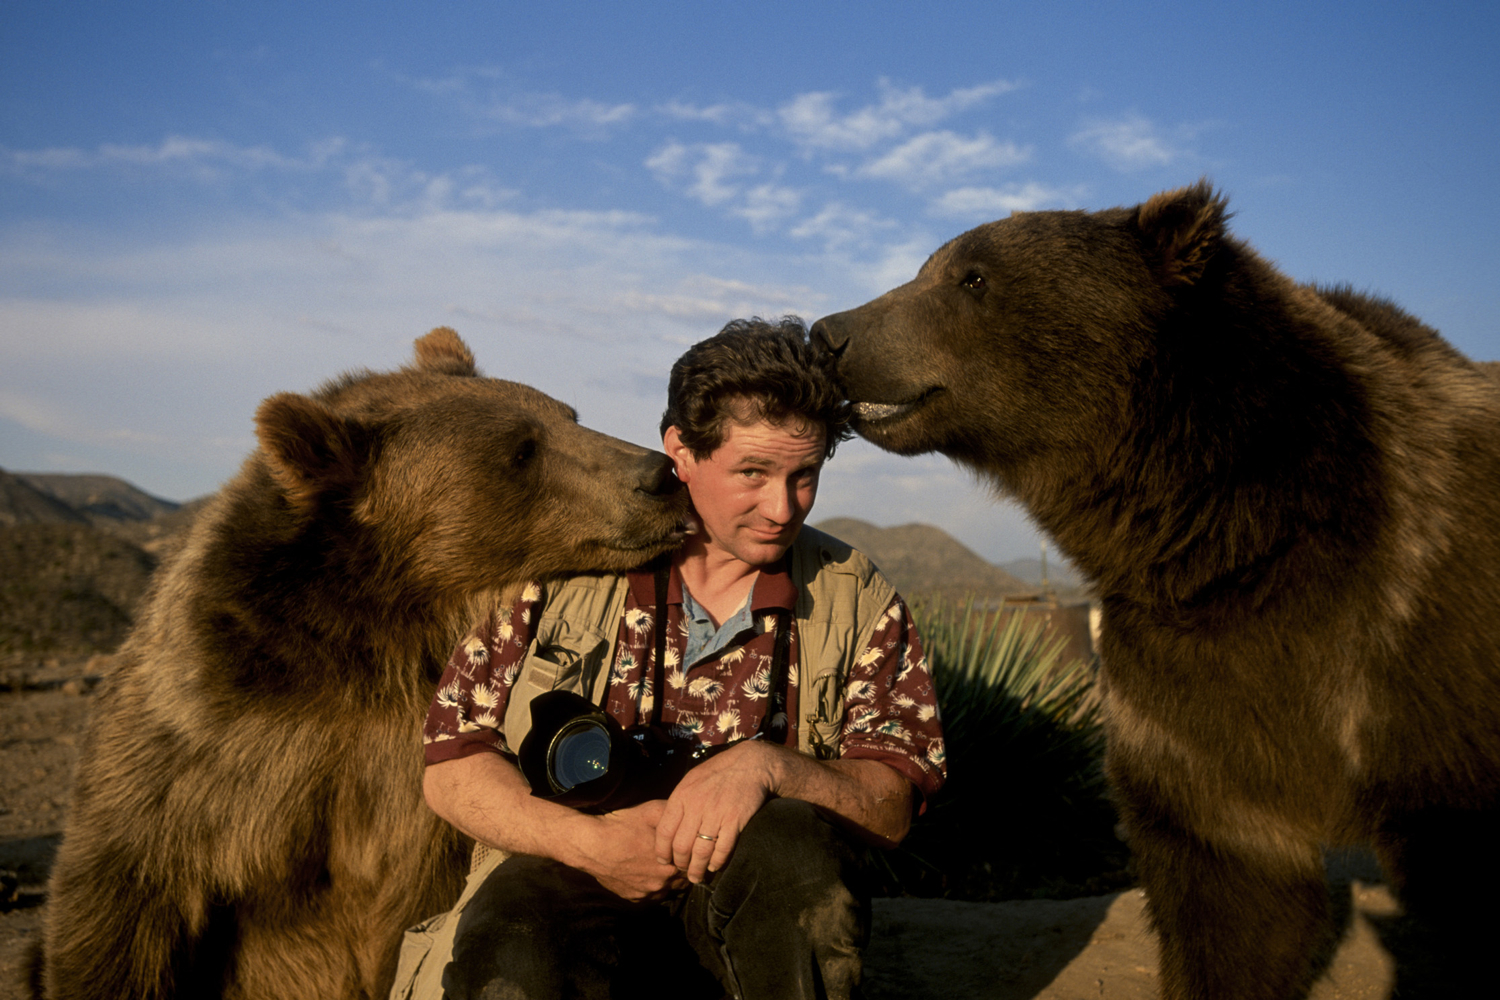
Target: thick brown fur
[(1288, 499), (247, 818)]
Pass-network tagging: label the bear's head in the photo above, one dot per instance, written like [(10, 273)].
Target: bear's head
[(1026, 335), (436, 479)]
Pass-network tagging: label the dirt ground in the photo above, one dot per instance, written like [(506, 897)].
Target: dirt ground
[(1097, 948)]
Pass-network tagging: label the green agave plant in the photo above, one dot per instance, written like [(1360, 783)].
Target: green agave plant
[(1024, 812)]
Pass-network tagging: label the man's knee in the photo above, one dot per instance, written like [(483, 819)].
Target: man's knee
[(536, 928), (795, 841), (789, 910)]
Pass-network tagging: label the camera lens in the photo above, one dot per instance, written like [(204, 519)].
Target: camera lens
[(579, 753)]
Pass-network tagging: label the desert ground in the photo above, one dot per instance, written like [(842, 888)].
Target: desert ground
[(1076, 949)]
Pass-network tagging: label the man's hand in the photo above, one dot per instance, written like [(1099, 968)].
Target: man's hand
[(620, 853), (715, 799), (718, 797)]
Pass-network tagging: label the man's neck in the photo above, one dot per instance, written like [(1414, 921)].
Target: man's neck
[(720, 583)]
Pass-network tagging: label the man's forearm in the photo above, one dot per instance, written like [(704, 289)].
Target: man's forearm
[(485, 796), (869, 798)]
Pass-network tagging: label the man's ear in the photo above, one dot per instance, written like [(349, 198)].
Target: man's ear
[(680, 454)]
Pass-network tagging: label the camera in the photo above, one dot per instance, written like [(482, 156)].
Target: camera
[(578, 755)]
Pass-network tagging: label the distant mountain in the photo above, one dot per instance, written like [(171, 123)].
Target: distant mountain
[(23, 503), (1060, 574), (100, 497), (162, 534), (922, 560)]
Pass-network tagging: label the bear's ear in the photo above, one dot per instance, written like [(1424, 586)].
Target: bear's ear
[(442, 352), (310, 449), (1181, 230)]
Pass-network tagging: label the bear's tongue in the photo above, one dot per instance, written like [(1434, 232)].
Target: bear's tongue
[(879, 411)]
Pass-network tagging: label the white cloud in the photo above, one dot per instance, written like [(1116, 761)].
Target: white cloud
[(384, 183), (737, 113), (842, 228), (709, 165), (372, 181), (712, 172), (715, 301), (178, 338), (62, 424), (899, 263), (477, 91), (547, 110), (1130, 143), (990, 202), (813, 121), (766, 205), (936, 157), (202, 156)]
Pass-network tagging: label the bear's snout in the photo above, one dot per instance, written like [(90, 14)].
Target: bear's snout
[(654, 475), (830, 335)]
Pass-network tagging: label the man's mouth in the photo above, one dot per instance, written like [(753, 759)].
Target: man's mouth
[(771, 536)]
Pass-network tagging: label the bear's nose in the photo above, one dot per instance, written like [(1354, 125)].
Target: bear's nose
[(656, 478), (831, 333)]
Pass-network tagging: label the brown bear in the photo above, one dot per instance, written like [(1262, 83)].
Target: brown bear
[(247, 818), (1288, 499)]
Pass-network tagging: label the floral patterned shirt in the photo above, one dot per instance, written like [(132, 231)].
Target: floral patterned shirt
[(890, 707)]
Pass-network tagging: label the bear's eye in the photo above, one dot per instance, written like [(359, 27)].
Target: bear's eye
[(525, 451), (973, 281)]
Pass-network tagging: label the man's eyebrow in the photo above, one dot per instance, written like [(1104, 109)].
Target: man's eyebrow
[(767, 462), (758, 460)]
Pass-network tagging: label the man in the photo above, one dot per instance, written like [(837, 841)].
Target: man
[(745, 879)]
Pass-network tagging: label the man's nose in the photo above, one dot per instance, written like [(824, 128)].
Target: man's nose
[(778, 503)]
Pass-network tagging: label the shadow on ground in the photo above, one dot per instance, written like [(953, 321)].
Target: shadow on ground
[(24, 864), (937, 948), (1102, 947)]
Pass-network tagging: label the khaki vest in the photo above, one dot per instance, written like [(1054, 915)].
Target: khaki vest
[(840, 598)]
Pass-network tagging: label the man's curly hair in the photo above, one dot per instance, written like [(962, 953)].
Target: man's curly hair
[(753, 369)]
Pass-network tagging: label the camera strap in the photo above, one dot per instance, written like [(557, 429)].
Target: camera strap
[(777, 687), (659, 668)]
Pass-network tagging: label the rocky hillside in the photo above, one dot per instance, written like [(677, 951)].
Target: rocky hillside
[(76, 556), (67, 589)]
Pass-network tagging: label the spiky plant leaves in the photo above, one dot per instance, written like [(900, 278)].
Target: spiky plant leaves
[(1024, 812)]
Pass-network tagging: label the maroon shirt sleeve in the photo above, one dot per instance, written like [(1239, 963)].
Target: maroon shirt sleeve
[(890, 705), (468, 711)]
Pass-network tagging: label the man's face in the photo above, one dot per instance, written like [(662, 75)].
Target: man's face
[(754, 491)]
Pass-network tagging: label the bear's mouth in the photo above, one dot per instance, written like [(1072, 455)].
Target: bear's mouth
[(879, 413)]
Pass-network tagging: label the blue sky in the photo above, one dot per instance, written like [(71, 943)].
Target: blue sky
[(205, 203)]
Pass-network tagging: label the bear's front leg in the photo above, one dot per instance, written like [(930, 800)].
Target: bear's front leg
[(1234, 923)]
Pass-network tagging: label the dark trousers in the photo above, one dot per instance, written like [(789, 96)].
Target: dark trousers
[(786, 918)]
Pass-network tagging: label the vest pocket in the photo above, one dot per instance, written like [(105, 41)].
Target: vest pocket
[(553, 663)]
